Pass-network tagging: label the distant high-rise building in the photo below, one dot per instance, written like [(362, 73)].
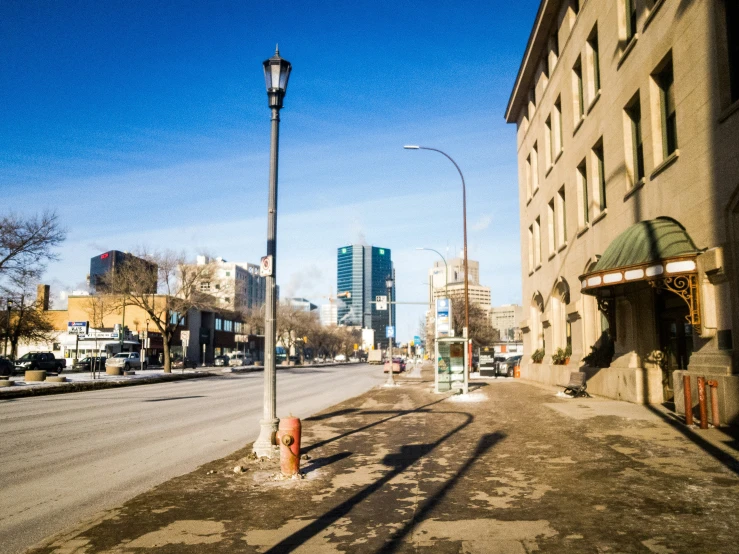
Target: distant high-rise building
[(361, 271), (299, 303), (329, 314), (107, 262)]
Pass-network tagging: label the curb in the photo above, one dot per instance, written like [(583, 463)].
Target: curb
[(70, 387)]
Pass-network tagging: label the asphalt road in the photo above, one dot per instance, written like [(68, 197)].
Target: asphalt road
[(66, 457)]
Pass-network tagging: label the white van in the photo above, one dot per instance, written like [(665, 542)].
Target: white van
[(239, 358)]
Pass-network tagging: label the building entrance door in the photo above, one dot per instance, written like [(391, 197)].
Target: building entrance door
[(675, 336)]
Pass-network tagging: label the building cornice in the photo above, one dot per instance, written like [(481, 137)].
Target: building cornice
[(537, 41)]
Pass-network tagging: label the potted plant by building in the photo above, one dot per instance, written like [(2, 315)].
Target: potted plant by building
[(537, 355), (562, 356)]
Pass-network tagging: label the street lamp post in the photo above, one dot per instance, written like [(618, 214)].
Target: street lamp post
[(464, 224), (389, 284), (446, 272), (276, 74), (8, 305)]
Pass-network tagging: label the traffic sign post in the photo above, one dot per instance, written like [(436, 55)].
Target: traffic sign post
[(389, 332), (265, 266), (381, 303)]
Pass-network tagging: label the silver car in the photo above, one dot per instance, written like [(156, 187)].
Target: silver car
[(126, 360)]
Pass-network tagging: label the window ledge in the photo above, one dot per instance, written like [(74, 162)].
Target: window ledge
[(638, 185), (562, 246), (668, 161), (551, 256), (531, 272), (538, 267), (578, 124), (549, 170), (594, 101), (582, 230), (652, 13), (535, 191), (729, 111), (529, 199), (558, 156), (627, 50), (600, 216)]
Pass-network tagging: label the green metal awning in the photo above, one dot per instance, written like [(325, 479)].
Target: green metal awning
[(659, 252), (646, 242)]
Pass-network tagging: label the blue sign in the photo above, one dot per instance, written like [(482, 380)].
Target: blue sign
[(443, 317), (417, 340), (389, 332)]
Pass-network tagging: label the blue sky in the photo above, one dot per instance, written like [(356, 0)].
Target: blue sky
[(145, 124)]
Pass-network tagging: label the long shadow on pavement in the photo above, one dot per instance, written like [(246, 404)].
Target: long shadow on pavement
[(409, 454)]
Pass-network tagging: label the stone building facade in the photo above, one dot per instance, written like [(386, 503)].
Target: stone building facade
[(627, 115)]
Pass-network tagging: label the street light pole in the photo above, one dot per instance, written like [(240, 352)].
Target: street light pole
[(276, 74), (8, 305), (464, 224), (389, 284), (446, 271)]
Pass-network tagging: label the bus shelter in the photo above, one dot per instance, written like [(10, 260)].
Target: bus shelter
[(451, 361)]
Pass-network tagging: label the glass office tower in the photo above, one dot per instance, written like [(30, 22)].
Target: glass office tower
[(362, 271)]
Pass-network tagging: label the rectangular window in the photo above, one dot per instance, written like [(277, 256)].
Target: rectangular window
[(561, 217), (537, 242), (595, 59), (549, 142), (531, 248), (601, 175), (582, 183), (630, 7), (535, 169), (577, 70), (204, 287), (552, 227), (637, 143), (527, 176), (174, 318), (732, 41), (219, 324), (228, 325), (558, 125), (666, 83)]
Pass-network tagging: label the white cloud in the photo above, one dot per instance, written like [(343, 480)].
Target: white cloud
[(482, 223)]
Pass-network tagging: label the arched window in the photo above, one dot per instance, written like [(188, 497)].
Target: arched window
[(537, 330), (561, 331)]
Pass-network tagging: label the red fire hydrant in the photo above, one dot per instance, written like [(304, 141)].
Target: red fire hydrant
[(288, 435)]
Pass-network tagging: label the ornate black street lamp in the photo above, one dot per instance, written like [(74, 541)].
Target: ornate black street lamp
[(276, 75)]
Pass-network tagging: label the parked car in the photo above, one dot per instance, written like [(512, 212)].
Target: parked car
[(400, 361), (7, 368), (340, 358), (221, 360), (396, 366), (85, 363), (239, 358), (506, 367), (126, 360), (179, 363), (40, 360)]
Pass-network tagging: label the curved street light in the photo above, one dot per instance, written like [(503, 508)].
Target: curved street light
[(446, 271), (464, 223)]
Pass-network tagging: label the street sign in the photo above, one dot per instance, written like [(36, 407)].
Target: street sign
[(443, 317), (381, 303), (417, 340), (265, 266), (241, 338), (389, 331), (185, 336), (77, 327)]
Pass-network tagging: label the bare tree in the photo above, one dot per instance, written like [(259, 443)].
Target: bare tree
[(28, 320), (178, 286), (481, 330), (26, 244)]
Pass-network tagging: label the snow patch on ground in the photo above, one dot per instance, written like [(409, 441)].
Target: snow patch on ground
[(474, 396)]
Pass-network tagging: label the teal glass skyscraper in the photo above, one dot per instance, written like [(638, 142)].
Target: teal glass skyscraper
[(361, 271)]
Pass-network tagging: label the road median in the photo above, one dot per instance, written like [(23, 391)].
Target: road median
[(21, 391)]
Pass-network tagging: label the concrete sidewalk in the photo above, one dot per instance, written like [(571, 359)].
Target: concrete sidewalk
[(509, 468)]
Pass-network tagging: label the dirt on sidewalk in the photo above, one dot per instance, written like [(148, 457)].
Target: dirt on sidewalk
[(509, 468)]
